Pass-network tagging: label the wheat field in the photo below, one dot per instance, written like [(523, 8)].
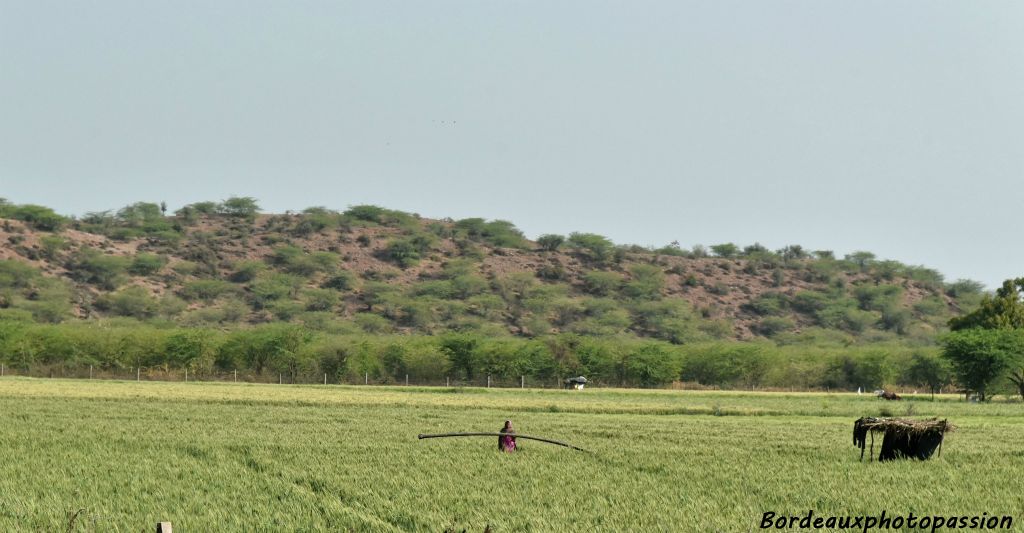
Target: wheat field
[(84, 455)]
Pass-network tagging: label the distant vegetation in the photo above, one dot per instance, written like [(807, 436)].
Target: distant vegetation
[(370, 276)]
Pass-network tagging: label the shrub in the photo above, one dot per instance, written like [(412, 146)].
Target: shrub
[(372, 323), (769, 303), (36, 216), (770, 326), (239, 207), (134, 302), (15, 274), (595, 246), (550, 242), (500, 233), (52, 245), (379, 215), (647, 282), (245, 271), (206, 289), (932, 306), (964, 287), (274, 287), (652, 365), (719, 288), (91, 266), (553, 271), (895, 319), (877, 297), (145, 264), (601, 283), (809, 302), (195, 349), (185, 268), (406, 252), (467, 285), (727, 250), (342, 280)]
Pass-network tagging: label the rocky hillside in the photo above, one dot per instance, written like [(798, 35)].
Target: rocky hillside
[(378, 270)]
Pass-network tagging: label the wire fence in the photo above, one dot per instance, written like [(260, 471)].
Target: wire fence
[(282, 378), (63, 371)]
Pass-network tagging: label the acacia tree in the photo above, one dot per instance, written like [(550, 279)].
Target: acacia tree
[(1005, 310), (997, 325), (981, 357), (239, 207), (550, 242), (1017, 377), (927, 369)]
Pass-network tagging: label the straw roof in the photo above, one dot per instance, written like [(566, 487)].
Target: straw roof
[(906, 426)]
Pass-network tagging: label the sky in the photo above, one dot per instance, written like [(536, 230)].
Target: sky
[(889, 126)]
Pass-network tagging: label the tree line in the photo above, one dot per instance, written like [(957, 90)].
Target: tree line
[(295, 350)]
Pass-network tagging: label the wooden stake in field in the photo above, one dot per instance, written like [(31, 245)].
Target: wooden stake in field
[(325, 379), (90, 371), (516, 435), (138, 373), (236, 375)]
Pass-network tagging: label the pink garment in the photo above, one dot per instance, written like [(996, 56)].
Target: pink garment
[(508, 443)]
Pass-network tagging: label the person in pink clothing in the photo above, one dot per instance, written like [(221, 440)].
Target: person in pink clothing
[(507, 441)]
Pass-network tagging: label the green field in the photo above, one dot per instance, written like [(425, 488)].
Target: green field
[(240, 457)]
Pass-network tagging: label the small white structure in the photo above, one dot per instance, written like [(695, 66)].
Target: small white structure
[(576, 382)]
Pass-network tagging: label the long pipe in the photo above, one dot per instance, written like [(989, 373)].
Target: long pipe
[(516, 435)]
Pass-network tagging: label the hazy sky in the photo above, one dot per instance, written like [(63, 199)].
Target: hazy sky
[(894, 127)]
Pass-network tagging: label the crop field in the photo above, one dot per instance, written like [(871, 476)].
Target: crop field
[(242, 457)]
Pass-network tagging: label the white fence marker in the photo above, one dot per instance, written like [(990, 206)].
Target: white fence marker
[(236, 375), (90, 371), (522, 382), (407, 380), (366, 378), (488, 382), (138, 373), (325, 379)]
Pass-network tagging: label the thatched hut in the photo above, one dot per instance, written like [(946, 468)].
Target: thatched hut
[(903, 439)]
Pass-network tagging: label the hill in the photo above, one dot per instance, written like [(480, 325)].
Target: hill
[(375, 270)]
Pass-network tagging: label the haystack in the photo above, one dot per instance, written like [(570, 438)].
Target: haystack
[(903, 439)]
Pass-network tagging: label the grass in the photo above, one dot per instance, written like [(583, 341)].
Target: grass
[(240, 457)]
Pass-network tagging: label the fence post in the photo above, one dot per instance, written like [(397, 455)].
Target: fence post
[(366, 378), (90, 371), (1, 369), (186, 375), (138, 373), (280, 379), (407, 380), (325, 378), (488, 382), (446, 383)]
